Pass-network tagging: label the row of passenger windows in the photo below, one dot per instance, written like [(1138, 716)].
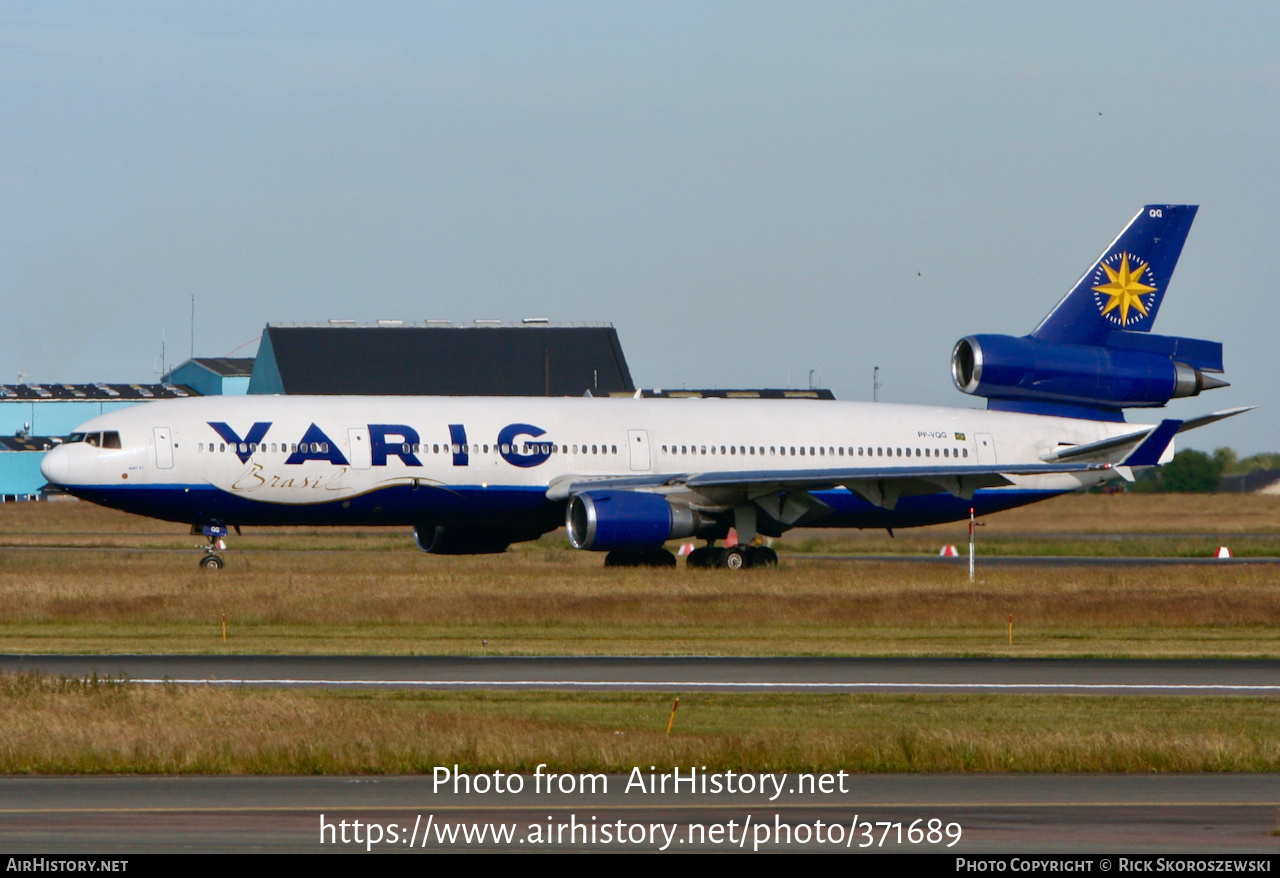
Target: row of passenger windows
[(254, 447), (817, 451), (407, 448), (112, 440)]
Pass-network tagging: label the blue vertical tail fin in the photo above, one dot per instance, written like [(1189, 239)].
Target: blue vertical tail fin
[(1124, 287)]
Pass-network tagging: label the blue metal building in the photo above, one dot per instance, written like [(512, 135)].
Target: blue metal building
[(34, 417)]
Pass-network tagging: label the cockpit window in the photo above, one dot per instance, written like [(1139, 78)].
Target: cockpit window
[(109, 439)]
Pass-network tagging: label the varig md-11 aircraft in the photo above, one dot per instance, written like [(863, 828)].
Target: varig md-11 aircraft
[(474, 475)]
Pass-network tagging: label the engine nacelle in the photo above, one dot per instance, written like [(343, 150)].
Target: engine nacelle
[(438, 540), (606, 520), (1003, 367)]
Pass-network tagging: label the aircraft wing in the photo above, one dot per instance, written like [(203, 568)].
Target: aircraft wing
[(883, 486), (880, 485)]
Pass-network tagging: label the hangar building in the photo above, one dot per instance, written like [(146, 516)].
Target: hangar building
[(213, 376), (394, 358)]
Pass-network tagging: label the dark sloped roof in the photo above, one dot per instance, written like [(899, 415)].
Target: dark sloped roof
[(105, 392), (27, 443), (1248, 483), (227, 367), (441, 361)]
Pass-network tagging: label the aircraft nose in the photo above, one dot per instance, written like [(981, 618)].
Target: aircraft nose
[(56, 467)]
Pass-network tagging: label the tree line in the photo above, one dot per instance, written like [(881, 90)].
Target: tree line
[(1196, 472)]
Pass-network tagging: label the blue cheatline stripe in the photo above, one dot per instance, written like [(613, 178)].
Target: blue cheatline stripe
[(496, 505)]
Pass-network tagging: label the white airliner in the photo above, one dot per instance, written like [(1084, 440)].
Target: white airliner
[(475, 474)]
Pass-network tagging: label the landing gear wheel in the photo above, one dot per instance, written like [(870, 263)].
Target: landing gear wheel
[(212, 562), (659, 558), (620, 558), (762, 556), (734, 559)]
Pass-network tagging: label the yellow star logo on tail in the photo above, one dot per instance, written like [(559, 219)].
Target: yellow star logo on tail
[(1125, 289)]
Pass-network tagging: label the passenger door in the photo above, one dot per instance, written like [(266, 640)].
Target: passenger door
[(361, 451), (164, 447), (986, 447), (638, 442)]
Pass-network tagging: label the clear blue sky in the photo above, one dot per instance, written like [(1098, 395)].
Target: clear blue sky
[(746, 190)]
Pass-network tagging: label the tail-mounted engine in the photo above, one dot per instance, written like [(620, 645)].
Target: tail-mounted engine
[(1129, 370)]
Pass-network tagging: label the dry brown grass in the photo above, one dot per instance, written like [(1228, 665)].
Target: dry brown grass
[(365, 596), (563, 602), (57, 726), (1071, 513), (1141, 513)]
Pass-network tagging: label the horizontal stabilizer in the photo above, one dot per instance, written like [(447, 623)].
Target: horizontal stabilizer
[(1192, 423), (1095, 449), (1202, 420), (1116, 443)]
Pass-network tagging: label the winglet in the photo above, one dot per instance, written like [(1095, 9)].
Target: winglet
[(1148, 453)]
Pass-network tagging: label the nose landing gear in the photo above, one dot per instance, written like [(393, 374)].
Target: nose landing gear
[(211, 560)]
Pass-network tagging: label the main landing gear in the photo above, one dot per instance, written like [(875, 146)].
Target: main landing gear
[(214, 533), (733, 558)]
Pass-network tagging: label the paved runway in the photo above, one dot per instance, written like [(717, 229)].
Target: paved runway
[(1193, 677), (989, 813)]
